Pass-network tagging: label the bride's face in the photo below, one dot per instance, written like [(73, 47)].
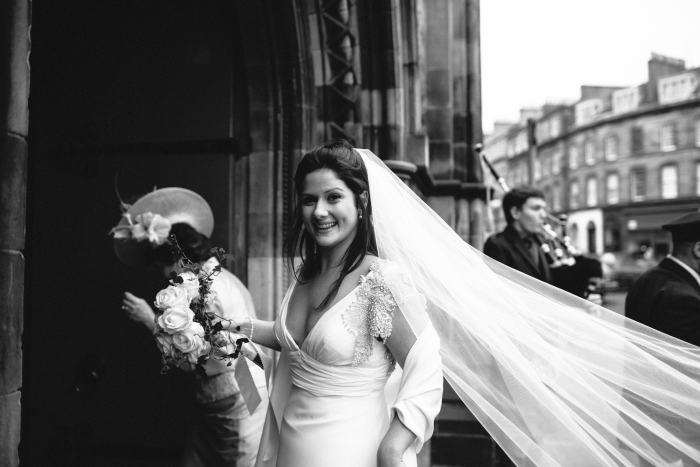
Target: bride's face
[(328, 209)]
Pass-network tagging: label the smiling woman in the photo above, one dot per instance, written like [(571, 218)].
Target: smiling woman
[(332, 214), (342, 329), (328, 209)]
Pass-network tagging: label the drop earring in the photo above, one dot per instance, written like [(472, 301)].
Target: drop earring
[(359, 211)]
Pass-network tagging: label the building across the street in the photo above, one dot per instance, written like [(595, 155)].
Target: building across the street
[(619, 163)]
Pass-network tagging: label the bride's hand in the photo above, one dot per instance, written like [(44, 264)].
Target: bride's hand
[(236, 325)]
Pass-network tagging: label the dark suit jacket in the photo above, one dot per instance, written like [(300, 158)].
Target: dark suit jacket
[(508, 248), (667, 298)]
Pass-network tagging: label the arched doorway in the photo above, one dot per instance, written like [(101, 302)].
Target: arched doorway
[(137, 95)]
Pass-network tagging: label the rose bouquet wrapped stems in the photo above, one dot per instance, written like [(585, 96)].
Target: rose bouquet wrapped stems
[(186, 331)]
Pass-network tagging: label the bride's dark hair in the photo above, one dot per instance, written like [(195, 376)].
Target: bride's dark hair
[(347, 164)]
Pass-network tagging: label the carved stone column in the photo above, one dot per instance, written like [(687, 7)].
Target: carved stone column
[(14, 93)]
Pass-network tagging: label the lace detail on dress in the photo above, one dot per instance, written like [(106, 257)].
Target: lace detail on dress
[(370, 315)]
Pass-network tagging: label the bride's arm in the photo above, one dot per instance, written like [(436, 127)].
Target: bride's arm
[(395, 443), (262, 331), (398, 438)]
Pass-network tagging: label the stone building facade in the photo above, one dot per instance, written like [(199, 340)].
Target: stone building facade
[(221, 98), (620, 162)]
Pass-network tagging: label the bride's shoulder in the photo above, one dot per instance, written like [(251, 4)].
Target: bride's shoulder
[(383, 266), (390, 273)]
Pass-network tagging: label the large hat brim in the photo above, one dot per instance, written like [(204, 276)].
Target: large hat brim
[(177, 205)]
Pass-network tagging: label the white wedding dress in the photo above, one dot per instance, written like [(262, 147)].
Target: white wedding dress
[(330, 402)]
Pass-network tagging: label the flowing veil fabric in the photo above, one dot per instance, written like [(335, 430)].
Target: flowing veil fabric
[(556, 380)]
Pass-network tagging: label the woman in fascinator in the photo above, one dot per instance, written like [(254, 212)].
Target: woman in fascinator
[(388, 299), (224, 432)]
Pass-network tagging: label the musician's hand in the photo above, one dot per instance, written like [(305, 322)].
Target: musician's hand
[(139, 310), (595, 298)]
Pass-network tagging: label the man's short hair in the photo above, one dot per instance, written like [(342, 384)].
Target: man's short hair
[(516, 197)]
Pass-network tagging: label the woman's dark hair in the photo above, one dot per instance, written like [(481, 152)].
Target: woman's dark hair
[(516, 197), (196, 246), (347, 164)]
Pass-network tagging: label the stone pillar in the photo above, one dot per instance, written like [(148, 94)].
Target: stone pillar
[(14, 93)]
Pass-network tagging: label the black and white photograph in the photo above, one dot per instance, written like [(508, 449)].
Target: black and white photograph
[(350, 233)]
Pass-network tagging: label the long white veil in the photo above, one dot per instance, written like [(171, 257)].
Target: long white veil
[(556, 380)]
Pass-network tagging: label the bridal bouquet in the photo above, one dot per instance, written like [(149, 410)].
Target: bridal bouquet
[(186, 331)]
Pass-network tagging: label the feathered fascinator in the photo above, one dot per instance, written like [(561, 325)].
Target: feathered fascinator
[(147, 222)]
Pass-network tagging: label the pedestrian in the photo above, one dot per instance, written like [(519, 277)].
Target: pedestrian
[(667, 297)]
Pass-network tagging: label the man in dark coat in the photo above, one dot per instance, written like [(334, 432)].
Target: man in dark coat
[(667, 297), (518, 245)]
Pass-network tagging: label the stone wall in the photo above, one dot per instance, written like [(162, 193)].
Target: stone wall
[(14, 93)]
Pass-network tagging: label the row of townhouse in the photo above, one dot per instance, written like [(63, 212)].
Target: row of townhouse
[(619, 163)]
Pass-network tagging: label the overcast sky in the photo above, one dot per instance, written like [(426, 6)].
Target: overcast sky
[(539, 51)]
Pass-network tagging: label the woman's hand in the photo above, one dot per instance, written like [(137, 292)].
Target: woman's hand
[(397, 439), (139, 310)]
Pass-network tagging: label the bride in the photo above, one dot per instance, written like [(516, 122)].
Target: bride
[(341, 332), (556, 380)]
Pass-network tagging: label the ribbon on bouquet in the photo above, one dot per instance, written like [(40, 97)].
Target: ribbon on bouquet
[(244, 377)]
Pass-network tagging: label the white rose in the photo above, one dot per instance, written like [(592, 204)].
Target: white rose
[(190, 283), (191, 340), (164, 342), (171, 297), (176, 319), (193, 356)]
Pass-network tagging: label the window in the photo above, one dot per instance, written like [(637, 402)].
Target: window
[(556, 197), (612, 188), (638, 185), (669, 182), (610, 148), (574, 194), (538, 168), (697, 179), (697, 132), (637, 140), (589, 152), (546, 166), (668, 137), (573, 157), (591, 192), (556, 162)]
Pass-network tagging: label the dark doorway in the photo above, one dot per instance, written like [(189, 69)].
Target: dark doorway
[(591, 230), (154, 92)]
